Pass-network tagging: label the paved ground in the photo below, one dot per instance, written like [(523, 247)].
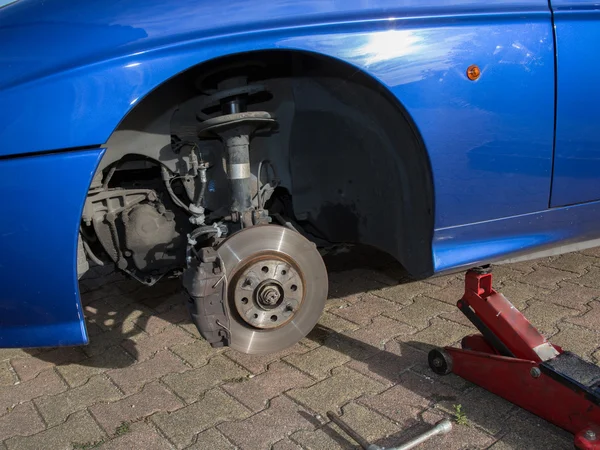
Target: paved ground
[(147, 380)]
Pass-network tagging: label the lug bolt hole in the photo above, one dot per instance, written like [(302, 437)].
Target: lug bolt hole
[(245, 300), (256, 316), (274, 318), (283, 272), (265, 269), (293, 288)]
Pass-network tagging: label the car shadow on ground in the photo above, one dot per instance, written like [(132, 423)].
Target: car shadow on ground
[(118, 309), (407, 366)]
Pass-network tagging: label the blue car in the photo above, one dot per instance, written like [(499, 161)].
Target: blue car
[(227, 142)]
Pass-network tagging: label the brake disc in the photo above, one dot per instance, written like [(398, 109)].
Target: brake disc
[(277, 287)]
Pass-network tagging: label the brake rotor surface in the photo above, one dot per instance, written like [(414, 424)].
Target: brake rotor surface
[(277, 287)]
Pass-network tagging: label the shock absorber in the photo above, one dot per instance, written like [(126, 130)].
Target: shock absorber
[(235, 127)]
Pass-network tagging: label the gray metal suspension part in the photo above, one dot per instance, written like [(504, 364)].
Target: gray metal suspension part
[(235, 128)]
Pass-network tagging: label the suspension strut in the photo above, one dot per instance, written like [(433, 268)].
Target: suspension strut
[(235, 127)]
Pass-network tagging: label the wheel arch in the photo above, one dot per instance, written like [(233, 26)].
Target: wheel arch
[(392, 209)]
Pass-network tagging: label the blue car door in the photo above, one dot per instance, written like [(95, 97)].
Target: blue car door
[(576, 176)]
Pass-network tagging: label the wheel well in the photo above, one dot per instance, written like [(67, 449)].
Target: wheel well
[(350, 156)]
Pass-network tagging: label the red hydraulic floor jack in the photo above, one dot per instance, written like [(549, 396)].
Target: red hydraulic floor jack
[(513, 360)]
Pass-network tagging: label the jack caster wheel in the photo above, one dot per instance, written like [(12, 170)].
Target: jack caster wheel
[(440, 361), (277, 287)]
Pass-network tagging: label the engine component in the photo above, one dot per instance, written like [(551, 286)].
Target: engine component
[(276, 287), (235, 128), (152, 238), (137, 231)]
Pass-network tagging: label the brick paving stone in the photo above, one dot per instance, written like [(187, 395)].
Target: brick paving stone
[(596, 357), (215, 407), (451, 293), (595, 251), (260, 431), (444, 280), (329, 437), (404, 293), (413, 394), (109, 313), (590, 319), (93, 330), (526, 431), (258, 363), (344, 385), (524, 267), (387, 366), (336, 323), (577, 339), (285, 444), (211, 439), (56, 408), (144, 346), (544, 316), (356, 281), (29, 368), (257, 391), (46, 383), (156, 323), (79, 428), (7, 377), (76, 374), (519, 293), (162, 296), (197, 353), (10, 353), (153, 398), (349, 346), (192, 384), (139, 436), (420, 312), (460, 438), (190, 328), (438, 334), (573, 262), (369, 424), (364, 311), (546, 277), (340, 303), (380, 331), (457, 316), (107, 339), (130, 379), (572, 296), (110, 292), (482, 408), (590, 279), (23, 420), (318, 362)]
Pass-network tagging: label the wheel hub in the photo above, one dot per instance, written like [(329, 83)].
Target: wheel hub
[(268, 292)]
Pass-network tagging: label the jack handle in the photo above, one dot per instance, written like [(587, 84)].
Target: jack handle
[(442, 427)]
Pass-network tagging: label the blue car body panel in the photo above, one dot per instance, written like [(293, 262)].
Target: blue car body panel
[(419, 50), (41, 203), (71, 71), (577, 157)]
